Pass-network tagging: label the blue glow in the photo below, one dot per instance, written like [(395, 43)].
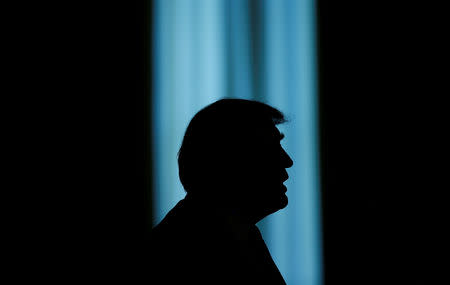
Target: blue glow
[(202, 52), (188, 74), (239, 53)]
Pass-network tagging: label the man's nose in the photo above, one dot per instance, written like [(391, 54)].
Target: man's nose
[(287, 161)]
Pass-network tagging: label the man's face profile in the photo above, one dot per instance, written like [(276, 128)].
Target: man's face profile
[(263, 167)]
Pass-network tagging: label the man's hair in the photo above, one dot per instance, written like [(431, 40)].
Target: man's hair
[(218, 136)]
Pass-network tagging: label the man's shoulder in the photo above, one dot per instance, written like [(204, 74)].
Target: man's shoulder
[(200, 245), (182, 224), (170, 224), (188, 224)]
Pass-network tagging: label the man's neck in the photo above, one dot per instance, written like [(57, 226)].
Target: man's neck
[(233, 213)]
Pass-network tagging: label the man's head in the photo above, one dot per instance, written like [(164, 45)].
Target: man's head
[(231, 154)]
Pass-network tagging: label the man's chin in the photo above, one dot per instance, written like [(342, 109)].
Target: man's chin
[(284, 201), (278, 203)]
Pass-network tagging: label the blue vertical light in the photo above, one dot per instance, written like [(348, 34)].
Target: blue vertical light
[(202, 52), (239, 53), (189, 73), (293, 234)]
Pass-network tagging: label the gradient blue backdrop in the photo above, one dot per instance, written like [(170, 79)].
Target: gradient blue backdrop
[(262, 50)]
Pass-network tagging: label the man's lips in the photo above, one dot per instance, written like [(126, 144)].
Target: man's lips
[(285, 177)]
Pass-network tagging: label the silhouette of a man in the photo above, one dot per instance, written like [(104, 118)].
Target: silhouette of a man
[(232, 167)]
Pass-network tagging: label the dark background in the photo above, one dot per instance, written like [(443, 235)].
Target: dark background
[(88, 70), (377, 125)]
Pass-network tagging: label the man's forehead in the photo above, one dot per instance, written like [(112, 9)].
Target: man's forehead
[(269, 132)]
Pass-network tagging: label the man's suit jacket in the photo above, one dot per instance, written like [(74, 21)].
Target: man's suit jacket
[(194, 244)]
